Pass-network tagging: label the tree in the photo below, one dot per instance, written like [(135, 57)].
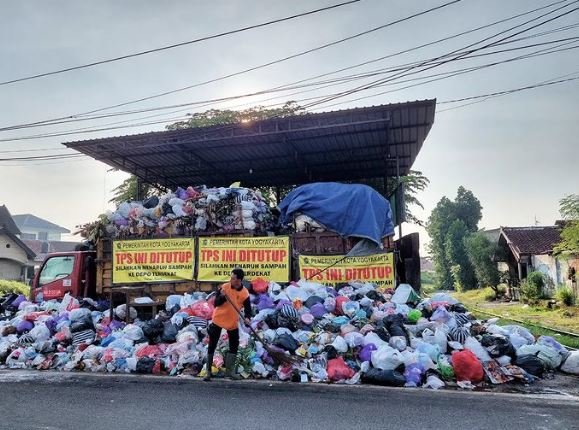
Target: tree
[(449, 223), (413, 183), (131, 189), (454, 246), (569, 209), (224, 117), (480, 251), (128, 190)]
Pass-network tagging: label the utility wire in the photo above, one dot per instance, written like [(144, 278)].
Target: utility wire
[(177, 45), (339, 80), (299, 54)]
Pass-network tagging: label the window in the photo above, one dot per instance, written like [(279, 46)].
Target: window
[(28, 236), (42, 235), (56, 268)]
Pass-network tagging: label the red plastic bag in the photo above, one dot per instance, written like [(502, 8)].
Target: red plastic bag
[(338, 370), (152, 351), (340, 300), (259, 286), (467, 367), (201, 309)]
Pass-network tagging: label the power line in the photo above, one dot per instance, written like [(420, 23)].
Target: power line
[(176, 45), (299, 54), (487, 96), (458, 56), (338, 80), (445, 75)]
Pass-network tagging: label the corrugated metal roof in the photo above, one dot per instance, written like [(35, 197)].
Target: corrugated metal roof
[(330, 146)]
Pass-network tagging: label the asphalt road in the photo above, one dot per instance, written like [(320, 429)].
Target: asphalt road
[(52, 401)]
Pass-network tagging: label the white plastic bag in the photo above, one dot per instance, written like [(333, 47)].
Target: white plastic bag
[(340, 344), (386, 358), (405, 294), (441, 340), (133, 332), (433, 382), (477, 349), (571, 364), (398, 342)]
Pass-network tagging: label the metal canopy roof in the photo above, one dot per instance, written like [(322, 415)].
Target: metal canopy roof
[(343, 145)]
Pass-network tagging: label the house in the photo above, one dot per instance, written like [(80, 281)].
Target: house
[(42, 247), (527, 249), (16, 258), (35, 228)]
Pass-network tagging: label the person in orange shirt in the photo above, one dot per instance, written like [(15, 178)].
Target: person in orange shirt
[(225, 317)]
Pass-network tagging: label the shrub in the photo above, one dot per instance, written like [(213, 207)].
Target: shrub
[(532, 287), (489, 294), (13, 287), (565, 294)]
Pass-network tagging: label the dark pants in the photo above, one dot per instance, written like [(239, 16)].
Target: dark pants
[(214, 332)]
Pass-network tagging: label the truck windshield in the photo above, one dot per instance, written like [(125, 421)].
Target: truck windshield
[(56, 268)]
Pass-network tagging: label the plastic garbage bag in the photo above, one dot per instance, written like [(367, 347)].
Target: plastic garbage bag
[(413, 375), (170, 332), (287, 342), (531, 364), (441, 315), (354, 339), (432, 350), (330, 304), (133, 332), (388, 377), (338, 370), (350, 308), (398, 342), (498, 345), (413, 316), (552, 343), (445, 369), (172, 301), (340, 344), (405, 294), (78, 314), (201, 309), (571, 364), (474, 345), (434, 382), (340, 301), (386, 358), (40, 333), (365, 353), (121, 312), (318, 310), (549, 356), (467, 366), (519, 331), (440, 339), (373, 338), (259, 285)]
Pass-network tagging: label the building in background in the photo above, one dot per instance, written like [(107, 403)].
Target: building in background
[(16, 258), (34, 228)]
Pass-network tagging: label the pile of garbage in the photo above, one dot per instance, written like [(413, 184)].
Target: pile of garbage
[(194, 209), (350, 334)]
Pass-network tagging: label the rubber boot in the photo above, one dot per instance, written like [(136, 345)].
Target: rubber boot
[(231, 371), (208, 366)]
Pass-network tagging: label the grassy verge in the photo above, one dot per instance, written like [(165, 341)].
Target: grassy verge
[(13, 287)]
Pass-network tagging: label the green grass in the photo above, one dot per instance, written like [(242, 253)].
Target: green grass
[(427, 282), (13, 287)]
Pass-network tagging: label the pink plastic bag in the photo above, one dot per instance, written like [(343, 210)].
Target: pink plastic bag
[(201, 309)]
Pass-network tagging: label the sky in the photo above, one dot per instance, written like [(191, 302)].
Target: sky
[(517, 153)]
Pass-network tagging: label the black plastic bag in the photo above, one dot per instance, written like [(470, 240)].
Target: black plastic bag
[(151, 202), (153, 329), (82, 324), (287, 342), (531, 364), (383, 334), (145, 365), (390, 378), (395, 326), (331, 352), (459, 308), (497, 346), (271, 321), (170, 331)]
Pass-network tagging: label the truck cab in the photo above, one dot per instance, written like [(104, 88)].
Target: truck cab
[(65, 272)]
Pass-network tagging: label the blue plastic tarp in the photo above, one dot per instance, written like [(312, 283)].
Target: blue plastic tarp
[(348, 209)]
